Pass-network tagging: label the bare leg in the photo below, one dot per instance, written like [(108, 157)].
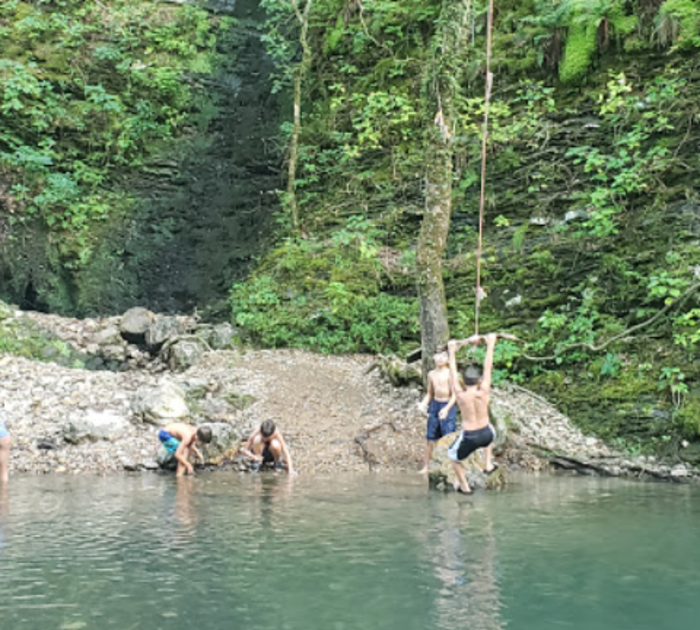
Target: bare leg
[(428, 454), (183, 465), (489, 464), (488, 457), (5, 459), (461, 477), (276, 449)]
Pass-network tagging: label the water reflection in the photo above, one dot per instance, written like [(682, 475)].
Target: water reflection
[(4, 513), (464, 546)]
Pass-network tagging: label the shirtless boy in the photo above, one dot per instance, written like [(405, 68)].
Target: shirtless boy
[(266, 446), (473, 400), (439, 404), (179, 439)]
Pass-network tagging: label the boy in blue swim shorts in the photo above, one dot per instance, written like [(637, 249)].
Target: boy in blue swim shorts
[(180, 439), (439, 404)]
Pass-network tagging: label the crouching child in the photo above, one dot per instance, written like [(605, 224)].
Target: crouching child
[(180, 440)]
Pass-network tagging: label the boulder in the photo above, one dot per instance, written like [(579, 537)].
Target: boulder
[(162, 329), (225, 442), (134, 324), (160, 405), (441, 475), (184, 352), (109, 336), (222, 336), (94, 426)]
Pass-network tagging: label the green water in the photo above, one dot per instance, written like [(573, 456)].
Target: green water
[(362, 552)]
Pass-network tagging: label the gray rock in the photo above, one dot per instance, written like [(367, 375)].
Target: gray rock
[(107, 336), (514, 301), (222, 336), (184, 352), (134, 324), (225, 441), (162, 329), (95, 425), (574, 215), (160, 405)]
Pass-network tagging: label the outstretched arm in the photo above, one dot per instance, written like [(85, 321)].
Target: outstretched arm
[(491, 340), (182, 455), (452, 346), (444, 412), (287, 457)]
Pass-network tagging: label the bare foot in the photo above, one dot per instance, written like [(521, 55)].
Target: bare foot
[(461, 490), (423, 471)]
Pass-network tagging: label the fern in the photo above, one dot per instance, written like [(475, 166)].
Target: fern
[(678, 21)]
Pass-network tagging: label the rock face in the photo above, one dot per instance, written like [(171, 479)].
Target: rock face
[(134, 324), (95, 425), (160, 405)]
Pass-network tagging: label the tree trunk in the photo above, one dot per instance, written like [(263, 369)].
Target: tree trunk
[(431, 247), (442, 78), (304, 64)]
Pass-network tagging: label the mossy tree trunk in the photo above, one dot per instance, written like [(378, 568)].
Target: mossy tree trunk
[(442, 79), (302, 16), (431, 247)]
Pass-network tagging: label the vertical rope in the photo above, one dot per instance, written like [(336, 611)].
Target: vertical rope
[(484, 139)]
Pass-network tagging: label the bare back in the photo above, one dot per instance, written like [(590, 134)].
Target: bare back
[(473, 404), (181, 431)]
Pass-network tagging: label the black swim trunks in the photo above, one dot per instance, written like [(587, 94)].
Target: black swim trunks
[(469, 441), (268, 457)]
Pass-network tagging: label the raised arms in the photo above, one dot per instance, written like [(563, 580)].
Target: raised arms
[(488, 361)]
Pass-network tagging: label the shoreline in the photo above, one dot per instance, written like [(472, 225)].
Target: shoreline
[(337, 413)]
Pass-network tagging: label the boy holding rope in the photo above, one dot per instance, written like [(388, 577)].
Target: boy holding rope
[(473, 400)]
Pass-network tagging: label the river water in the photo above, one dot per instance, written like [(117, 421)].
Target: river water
[(363, 552)]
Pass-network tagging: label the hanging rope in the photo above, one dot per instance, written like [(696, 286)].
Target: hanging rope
[(484, 138)]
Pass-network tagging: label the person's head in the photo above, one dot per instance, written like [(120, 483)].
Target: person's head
[(204, 435), (267, 428), (471, 375), (440, 359)]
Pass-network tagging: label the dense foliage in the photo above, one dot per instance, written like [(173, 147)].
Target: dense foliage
[(89, 91), (593, 221), (592, 215)]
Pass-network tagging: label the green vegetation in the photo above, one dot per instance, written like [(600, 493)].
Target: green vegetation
[(591, 250), (593, 215)]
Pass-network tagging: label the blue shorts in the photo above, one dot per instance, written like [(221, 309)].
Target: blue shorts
[(166, 439), (438, 428), (3, 430)]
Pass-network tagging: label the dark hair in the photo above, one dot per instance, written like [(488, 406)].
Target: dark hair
[(204, 434), (267, 428), (471, 375)]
